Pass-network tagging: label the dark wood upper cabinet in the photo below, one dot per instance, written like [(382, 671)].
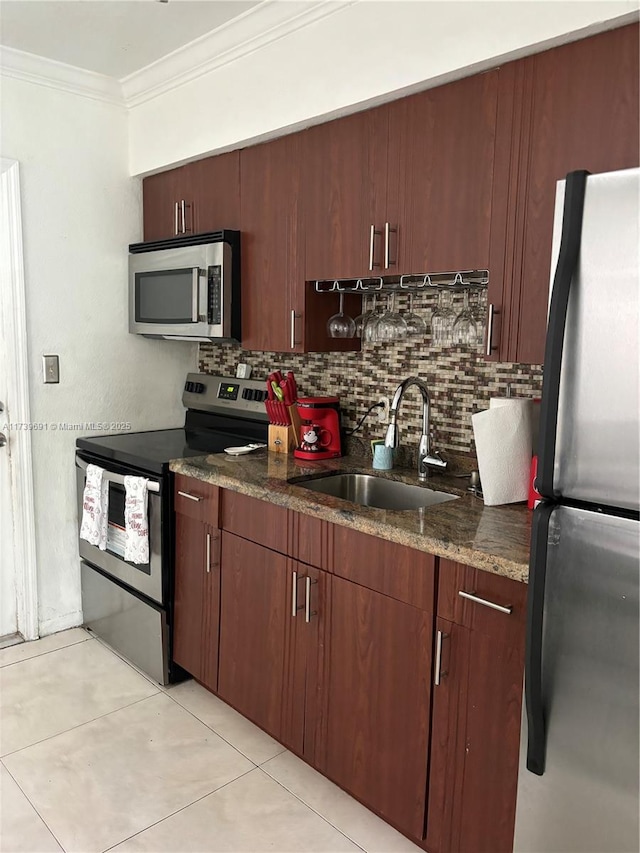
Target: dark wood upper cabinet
[(272, 269), (192, 199), (572, 107), (441, 160), (161, 197), (213, 189), (253, 616), (345, 185), (378, 719), (584, 115)]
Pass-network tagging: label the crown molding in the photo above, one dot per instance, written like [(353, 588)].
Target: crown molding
[(265, 23), (58, 75)]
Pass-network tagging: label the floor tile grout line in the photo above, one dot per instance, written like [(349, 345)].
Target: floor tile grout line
[(321, 816), (80, 725), (33, 806), (181, 809), (42, 654), (216, 733), (298, 797)]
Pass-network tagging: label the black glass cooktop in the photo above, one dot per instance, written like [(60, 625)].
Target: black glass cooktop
[(152, 451)]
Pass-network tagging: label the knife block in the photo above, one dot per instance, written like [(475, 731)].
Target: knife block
[(282, 439)]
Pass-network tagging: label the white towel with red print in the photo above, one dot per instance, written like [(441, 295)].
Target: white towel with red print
[(95, 507), (136, 549)]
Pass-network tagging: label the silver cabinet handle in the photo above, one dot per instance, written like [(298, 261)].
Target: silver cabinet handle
[(388, 231), (440, 637), (294, 317), (308, 613), (191, 497), (184, 223), (208, 552), (294, 594), (176, 220), (372, 238), (508, 609), (492, 313)]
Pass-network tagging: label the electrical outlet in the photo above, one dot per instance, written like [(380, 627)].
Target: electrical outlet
[(383, 411)]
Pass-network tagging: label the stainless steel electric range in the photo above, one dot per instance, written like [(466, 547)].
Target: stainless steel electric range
[(131, 606)]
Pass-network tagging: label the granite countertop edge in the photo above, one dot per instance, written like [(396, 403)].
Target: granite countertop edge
[(248, 478)]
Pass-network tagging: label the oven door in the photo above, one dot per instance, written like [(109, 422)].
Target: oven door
[(145, 578)]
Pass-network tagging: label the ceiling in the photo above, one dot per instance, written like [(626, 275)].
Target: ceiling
[(112, 37)]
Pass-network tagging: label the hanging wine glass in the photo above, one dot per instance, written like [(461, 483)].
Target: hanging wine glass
[(442, 320), (341, 325), (369, 330), (361, 319), (391, 326), (478, 313), (415, 324), (465, 331)]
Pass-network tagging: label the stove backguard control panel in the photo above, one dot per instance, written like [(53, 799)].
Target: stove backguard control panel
[(225, 394)]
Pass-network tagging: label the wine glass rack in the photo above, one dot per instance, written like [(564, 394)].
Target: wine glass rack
[(414, 283)]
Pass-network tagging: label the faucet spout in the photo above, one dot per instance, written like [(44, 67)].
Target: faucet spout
[(392, 438)]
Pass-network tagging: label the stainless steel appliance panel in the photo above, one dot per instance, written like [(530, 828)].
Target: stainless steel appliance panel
[(130, 625), (587, 799), (598, 445), (146, 579), (200, 272)]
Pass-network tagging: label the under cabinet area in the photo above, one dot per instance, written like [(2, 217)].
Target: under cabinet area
[(396, 674)]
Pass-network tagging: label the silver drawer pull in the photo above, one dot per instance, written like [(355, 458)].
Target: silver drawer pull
[(191, 497), (208, 558), (438, 674), (308, 612), (471, 597)]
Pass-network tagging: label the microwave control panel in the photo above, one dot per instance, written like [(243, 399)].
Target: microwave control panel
[(214, 308)]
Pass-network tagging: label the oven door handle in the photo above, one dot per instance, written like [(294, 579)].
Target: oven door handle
[(152, 485)]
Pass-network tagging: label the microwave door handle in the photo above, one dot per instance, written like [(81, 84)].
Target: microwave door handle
[(195, 294)]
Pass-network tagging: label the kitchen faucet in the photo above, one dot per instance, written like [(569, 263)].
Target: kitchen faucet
[(426, 459)]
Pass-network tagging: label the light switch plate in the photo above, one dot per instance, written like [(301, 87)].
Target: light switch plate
[(50, 369)]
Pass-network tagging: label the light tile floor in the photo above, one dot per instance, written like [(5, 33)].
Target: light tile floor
[(96, 757)]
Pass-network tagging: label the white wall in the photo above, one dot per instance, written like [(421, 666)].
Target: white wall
[(356, 56), (80, 211)]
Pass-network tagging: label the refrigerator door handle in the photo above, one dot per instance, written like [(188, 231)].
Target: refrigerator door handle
[(537, 736), (567, 262)]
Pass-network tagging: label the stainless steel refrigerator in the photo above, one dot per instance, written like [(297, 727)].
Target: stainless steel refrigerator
[(578, 783)]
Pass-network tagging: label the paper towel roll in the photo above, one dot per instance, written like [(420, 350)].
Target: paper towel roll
[(503, 435)]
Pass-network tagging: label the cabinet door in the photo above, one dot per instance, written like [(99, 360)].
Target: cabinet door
[(253, 613), (584, 116), (213, 189), (197, 599), (344, 194), (485, 675), (272, 269), (441, 154), (307, 626), (379, 683), (160, 194)]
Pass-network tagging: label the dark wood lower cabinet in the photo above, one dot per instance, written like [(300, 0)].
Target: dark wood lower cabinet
[(197, 599), (252, 630), (379, 702), (408, 700)]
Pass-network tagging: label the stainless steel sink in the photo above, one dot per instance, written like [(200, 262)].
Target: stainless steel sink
[(367, 490)]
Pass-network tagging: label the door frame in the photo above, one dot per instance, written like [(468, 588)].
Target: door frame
[(14, 335)]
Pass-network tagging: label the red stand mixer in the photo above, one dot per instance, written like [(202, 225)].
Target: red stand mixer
[(320, 429)]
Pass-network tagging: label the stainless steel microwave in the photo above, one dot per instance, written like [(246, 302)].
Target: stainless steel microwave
[(187, 288)]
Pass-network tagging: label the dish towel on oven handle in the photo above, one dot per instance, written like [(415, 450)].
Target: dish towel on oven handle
[(95, 507), (136, 549)]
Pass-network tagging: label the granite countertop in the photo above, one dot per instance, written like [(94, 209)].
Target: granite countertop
[(495, 539)]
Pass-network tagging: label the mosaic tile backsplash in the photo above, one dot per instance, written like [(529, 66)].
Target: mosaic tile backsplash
[(460, 381)]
